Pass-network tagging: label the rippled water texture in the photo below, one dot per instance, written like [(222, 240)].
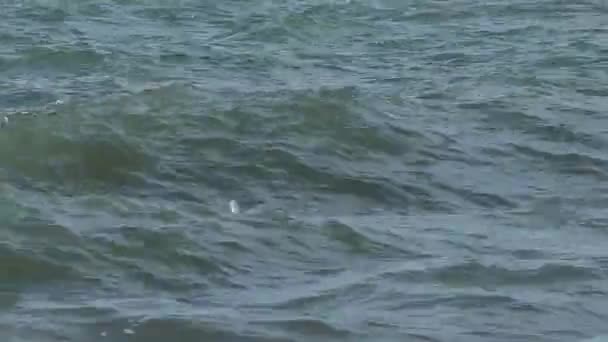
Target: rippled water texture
[(403, 170)]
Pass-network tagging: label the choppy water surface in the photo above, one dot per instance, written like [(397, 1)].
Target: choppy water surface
[(404, 170)]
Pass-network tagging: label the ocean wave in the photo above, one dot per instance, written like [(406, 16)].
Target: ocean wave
[(424, 171), (68, 58), (68, 160), (476, 274), (22, 267), (188, 329), (576, 163)]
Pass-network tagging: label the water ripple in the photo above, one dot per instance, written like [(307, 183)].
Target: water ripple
[(423, 171)]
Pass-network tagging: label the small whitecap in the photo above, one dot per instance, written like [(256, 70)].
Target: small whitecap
[(234, 207), (128, 331), (58, 102), (103, 334)]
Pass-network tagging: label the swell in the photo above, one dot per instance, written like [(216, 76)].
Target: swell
[(22, 267), (37, 253), (50, 158), (188, 328), (325, 140), (568, 163), (475, 274), (298, 133), (114, 142), (83, 60), (312, 141)]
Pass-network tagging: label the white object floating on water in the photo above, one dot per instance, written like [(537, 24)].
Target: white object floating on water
[(58, 102), (103, 334), (128, 331), (234, 207)]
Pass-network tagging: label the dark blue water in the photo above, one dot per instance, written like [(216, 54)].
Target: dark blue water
[(400, 170)]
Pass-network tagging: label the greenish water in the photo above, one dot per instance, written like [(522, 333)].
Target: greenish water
[(404, 170)]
